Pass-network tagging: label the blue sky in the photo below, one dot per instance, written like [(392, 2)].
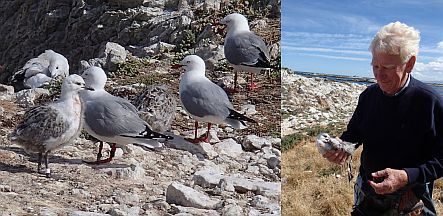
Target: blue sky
[(330, 36)]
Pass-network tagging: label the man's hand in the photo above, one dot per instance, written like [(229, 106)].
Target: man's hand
[(393, 180), (336, 156)]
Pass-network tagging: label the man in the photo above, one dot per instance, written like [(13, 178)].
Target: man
[(399, 122)]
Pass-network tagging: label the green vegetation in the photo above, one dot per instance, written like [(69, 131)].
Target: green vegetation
[(130, 68)]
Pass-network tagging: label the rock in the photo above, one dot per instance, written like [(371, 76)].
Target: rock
[(274, 50), (5, 89), (229, 147), (207, 178), (27, 97), (242, 185), (83, 66), (162, 205), (273, 162), (248, 109), (179, 194), (133, 171), (123, 197), (225, 185), (255, 142), (112, 55), (83, 213), (124, 210), (260, 201), (232, 210), (190, 211), (125, 4), (47, 212)]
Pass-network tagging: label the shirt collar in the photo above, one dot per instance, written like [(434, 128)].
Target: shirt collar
[(402, 89)]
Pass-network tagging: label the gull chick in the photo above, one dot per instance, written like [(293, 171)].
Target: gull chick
[(205, 101), (326, 143), (49, 127)]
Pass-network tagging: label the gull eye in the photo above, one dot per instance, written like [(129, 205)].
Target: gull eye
[(56, 67), (188, 62)]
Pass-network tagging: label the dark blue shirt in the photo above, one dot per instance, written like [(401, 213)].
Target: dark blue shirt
[(404, 131)]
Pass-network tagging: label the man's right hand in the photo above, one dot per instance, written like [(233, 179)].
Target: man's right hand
[(336, 156)]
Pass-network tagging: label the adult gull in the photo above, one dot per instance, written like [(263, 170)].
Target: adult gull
[(243, 49), (113, 119), (40, 70), (49, 127), (205, 101)]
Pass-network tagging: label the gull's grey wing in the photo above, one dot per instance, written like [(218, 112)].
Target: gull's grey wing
[(32, 67), (247, 49), (204, 99), (110, 117), (125, 103), (41, 123)]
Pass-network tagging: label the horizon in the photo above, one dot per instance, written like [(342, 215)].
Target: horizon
[(351, 76), (333, 37)]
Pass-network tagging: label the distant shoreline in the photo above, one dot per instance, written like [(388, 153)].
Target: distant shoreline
[(344, 78)]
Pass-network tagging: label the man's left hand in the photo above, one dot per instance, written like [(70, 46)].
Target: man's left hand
[(393, 180)]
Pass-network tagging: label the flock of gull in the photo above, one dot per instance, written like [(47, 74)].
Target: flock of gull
[(85, 104)]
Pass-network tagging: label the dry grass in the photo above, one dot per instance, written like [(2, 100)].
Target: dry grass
[(313, 186)]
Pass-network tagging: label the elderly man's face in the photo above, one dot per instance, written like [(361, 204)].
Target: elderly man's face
[(391, 74)]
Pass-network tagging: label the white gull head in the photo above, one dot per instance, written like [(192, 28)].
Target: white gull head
[(58, 64), (95, 78), (194, 65), (235, 22)]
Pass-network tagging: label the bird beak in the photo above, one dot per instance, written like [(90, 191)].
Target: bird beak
[(88, 88), (176, 66)]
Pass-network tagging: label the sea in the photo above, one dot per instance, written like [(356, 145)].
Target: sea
[(360, 80)]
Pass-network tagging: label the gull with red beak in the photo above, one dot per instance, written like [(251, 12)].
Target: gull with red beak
[(113, 119), (243, 49), (205, 101)]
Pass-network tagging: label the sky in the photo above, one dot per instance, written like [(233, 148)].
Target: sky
[(333, 37)]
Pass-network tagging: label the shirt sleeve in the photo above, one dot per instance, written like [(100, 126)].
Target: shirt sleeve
[(433, 168), (352, 133)]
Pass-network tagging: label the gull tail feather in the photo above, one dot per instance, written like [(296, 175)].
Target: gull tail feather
[(149, 134), (238, 120)]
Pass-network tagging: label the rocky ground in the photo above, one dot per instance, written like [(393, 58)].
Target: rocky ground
[(238, 173), (315, 101)]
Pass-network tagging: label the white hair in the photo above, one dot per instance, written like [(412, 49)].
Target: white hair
[(396, 39)]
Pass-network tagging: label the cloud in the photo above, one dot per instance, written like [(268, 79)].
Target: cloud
[(338, 41), (334, 57), (430, 72), (289, 47)]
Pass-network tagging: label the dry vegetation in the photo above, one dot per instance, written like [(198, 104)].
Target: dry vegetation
[(313, 186)]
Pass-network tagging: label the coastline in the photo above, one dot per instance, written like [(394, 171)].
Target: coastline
[(307, 102)]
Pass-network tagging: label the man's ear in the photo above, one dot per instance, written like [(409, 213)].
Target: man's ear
[(410, 64)]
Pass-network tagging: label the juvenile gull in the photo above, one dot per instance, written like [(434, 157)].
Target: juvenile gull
[(113, 119), (243, 49), (326, 143), (40, 70), (157, 106), (49, 127), (204, 100)]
